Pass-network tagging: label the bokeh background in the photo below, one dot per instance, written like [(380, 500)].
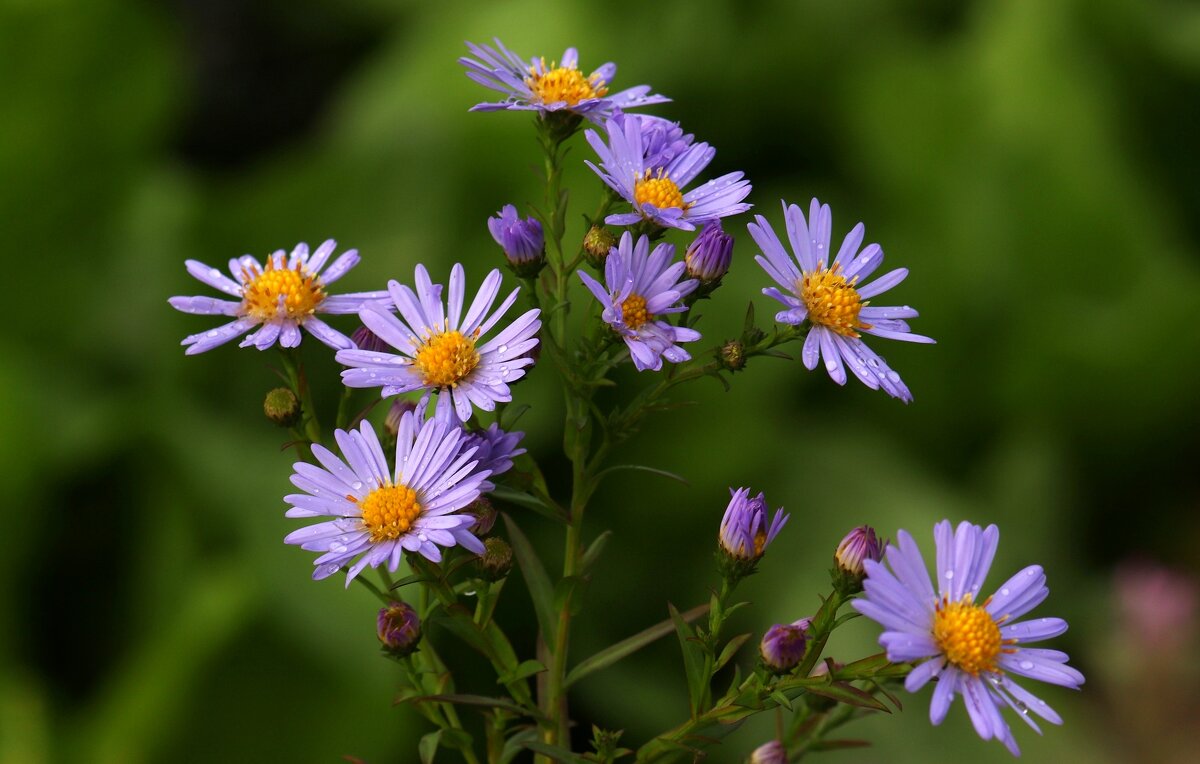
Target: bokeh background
[(1033, 163)]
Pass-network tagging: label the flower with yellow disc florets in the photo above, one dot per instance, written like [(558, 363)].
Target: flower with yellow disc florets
[(279, 298), (971, 645), (747, 529), (826, 290), (441, 348)]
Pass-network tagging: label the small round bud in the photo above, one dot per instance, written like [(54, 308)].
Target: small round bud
[(733, 355), (485, 516), (709, 254), (783, 646), (396, 412), (496, 560), (597, 243), (399, 629), (772, 752), (365, 339), (282, 407), (859, 545), (523, 242)]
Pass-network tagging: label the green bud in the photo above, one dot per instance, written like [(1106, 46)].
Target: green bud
[(282, 407), (598, 242), (496, 560), (733, 355)]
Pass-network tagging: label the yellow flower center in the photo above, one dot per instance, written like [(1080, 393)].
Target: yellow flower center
[(389, 511), (658, 190), (563, 84), (832, 301), (445, 359), (633, 312), (968, 635), (261, 294)]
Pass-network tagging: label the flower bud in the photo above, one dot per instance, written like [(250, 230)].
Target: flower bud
[(859, 544), (496, 560), (365, 339), (523, 242), (746, 531), (709, 254), (282, 407), (783, 646), (598, 242), (771, 752), (399, 629), (733, 355), (485, 516), (396, 412)]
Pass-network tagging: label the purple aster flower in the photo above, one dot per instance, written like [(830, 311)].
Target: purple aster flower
[(747, 528), (710, 253), (399, 629), (534, 86), (377, 514), (827, 293), (441, 348), (656, 192), (972, 648), (495, 449), (643, 286), (662, 139), (523, 242), (784, 645), (278, 298)]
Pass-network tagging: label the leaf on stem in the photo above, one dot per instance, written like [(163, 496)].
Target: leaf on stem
[(693, 660), (536, 580), (528, 501), (730, 650), (593, 552), (630, 645), (844, 692), (428, 746), (640, 468)]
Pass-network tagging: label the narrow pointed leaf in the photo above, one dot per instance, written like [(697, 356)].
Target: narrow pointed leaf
[(630, 645), (536, 580)]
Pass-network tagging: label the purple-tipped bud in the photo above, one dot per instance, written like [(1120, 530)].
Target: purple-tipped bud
[(485, 516), (859, 545), (747, 528), (597, 243), (523, 242), (399, 629), (396, 412), (709, 254), (365, 339), (282, 407), (783, 645), (769, 753)]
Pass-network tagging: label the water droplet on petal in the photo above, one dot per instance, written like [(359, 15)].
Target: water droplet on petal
[(1027, 665), (356, 485), (949, 574), (216, 274), (1004, 592)]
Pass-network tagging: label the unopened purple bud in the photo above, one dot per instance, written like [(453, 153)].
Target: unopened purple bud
[(859, 545), (523, 242), (748, 528), (783, 646), (772, 752), (709, 254), (396, 412), (399, 629), (485, 516), (365, 339)]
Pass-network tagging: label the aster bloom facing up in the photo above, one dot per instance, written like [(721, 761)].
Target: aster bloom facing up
[(278, 298), (656, 191), (972, 648), (377, 514), (642, 286), (441, 348), (562, 87), (828, 294), (523, 242), (747, 528)]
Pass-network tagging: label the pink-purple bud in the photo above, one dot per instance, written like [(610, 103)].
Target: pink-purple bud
[(523, 242), (709, 254), (399, 629), (771, 752), (365, 339), (859, 544), (396, 412), (784, 644)]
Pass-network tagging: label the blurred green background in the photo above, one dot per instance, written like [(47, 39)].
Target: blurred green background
[(1033, 163)]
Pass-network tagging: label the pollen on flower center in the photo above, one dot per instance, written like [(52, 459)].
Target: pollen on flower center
[(967, 635), (633, 312), (658, 190), (563, 85), (389, 511), (265, 291), (832, 301), (445, 359)]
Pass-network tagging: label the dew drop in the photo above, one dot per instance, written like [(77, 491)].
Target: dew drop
[(1026, 665), (503, 348), (337, 548), (356, 485), (1030, 572), (1004, 592), (216, 274), (949, 574), (213, 333)]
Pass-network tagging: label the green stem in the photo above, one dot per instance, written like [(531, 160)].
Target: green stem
[(383, 596), (293, 365)]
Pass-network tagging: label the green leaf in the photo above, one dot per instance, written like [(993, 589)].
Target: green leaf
[(640, 468), (593, 552), (730, 650), (526, 500), (554, 752), (693, 660), (568, 594), (536, 580), (781, 699), (512, 414), (630, 645), (482, 701), (843, 692), (748, 324), (525, 669), (864, 667), (428, 746)]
